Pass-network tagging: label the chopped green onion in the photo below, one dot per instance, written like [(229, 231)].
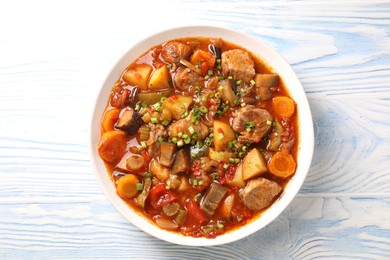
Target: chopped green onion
[(180, 135), (182, 106), (220, 226), (160, 139), (239, 82), (231, 160), (193, 155), (191, 129), (148, 175), (210, 72), (165, 122), (220, 136), (137, 106), (199, 144), (236, 102), (185, 114), (203, 109), (139, 186), (195, 182), (221, 77), (217, 95), (244, 148), (243, 104), (226, 166), (249, 124), (184, 136), (236, 160), (219, 67), (154, 120), (269, 122), (200, 182), (253, 82), (230, 77), (239, 218), (218, 61), (187, 140), (204, 99), (174, 140), (157, 106), (195, 135), (220, 88), (144, 104), (180, 143), (143, 144), (168, 187), (163, 99), (215, 176)]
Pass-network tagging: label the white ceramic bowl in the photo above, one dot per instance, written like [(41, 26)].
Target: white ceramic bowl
[(268, 55)]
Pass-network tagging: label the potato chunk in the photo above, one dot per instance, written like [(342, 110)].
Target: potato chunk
[(160, 79), (253, 164), (138, 76), (223, 134)]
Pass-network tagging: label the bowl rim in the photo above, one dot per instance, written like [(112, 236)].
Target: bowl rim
[(267, 54)]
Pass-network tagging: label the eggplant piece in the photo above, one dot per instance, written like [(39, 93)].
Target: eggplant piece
[(213, 197), (264, 82), (167, 150), (181, 163), (227, 92), (130, 121), (215, 50)]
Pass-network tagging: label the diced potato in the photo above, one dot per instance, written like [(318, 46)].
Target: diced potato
[(138, 76), (253, 164), (223, 134), (227, 205), (177, 105), (237, 179), (160, 79), (220, 156)]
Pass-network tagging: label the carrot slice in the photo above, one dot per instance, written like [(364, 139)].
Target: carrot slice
[(282, 165), (109, 119), (112, 146), (283, 106), (200, 56), (127, 186)]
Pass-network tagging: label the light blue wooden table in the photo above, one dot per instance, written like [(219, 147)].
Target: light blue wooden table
[(53, 56)]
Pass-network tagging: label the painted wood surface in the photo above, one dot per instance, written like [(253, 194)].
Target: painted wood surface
[(53, 56)]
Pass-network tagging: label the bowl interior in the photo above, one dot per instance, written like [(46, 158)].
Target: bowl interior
[(268, 55)]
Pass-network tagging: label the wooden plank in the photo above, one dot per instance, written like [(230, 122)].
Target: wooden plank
[(312, 227)]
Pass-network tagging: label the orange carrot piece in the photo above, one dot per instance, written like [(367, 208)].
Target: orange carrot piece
[(283, 106), (200, 56), (109, 119), (282, 165), (112, 146), (127, 186)]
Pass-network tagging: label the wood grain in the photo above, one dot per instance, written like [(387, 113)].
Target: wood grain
[(53, 57)]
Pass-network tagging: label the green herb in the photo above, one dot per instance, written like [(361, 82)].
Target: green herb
[(154, 120), (239, 82), (143, 144), (139, 186), (180, 143), (195, 182), (160, 139), (253, 82), (210, 72), (165, 122), (269, 122), (191, 130), (203, 109), (148, 175)]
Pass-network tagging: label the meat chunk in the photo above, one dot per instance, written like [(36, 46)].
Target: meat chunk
[(213, 197), (238, 64), (129, 121), (183, 126), (252, 123), (259, 193), (174, 51), (186, 78)]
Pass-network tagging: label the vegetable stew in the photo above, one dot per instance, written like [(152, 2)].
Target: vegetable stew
[(200, 136)]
